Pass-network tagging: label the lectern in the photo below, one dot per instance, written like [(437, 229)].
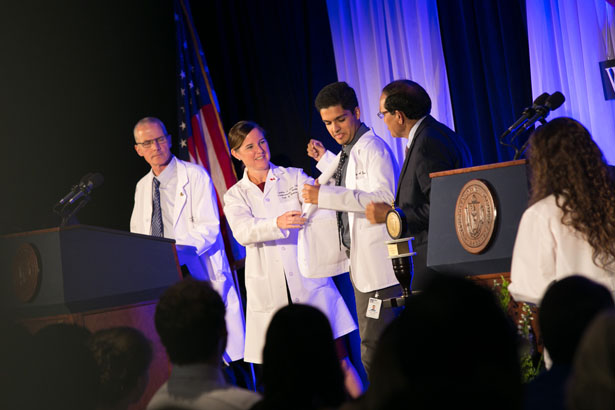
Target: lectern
[(94, 277), (469, 235)]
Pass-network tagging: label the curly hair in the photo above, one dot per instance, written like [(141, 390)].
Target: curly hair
[(565, 162)]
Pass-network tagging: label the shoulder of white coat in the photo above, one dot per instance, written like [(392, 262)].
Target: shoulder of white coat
[(145, 179), (545, 208), (191, 168), (233, 193), (290, 171), (373, 143)]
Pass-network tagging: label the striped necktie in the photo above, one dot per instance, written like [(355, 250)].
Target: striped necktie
[(157, 227)]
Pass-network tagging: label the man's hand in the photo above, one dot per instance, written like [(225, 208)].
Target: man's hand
[(315, 149), (310, 193), (290, 220), (376, 212)]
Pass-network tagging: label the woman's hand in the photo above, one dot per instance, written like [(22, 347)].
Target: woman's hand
[(291, 220)]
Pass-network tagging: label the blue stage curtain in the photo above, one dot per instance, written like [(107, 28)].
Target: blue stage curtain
[(567, 40), (376, 42), (487, 59)]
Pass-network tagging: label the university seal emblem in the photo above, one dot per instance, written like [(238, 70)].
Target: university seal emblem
[(26, 272), (475, 216)]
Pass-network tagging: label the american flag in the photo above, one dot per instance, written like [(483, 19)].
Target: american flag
[(201, 137)]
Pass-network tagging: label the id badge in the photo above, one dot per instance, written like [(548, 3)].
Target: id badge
[(373, 308)]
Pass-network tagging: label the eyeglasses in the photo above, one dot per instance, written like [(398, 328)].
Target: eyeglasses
[(381, 114), (160, 140)]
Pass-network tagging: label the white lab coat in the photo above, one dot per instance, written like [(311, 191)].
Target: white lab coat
[(271, 256), (547, 250), (197, 223), (370, 176)]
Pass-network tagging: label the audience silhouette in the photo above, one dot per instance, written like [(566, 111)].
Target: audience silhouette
[(300, 365)]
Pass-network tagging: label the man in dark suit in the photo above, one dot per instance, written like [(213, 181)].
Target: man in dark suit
[(432, 147)]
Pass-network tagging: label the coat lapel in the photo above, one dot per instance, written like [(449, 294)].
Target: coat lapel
[(180, 195), (407, 159), (147, 203)]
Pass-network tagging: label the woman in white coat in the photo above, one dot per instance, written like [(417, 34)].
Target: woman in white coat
[(264, 213), (570, 226)]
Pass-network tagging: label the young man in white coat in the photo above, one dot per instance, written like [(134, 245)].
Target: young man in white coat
[(177, 200), (362, 172)]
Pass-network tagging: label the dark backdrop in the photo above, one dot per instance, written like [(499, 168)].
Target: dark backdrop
[(268, 60), (78, 75), (488, 66), (75, 78)]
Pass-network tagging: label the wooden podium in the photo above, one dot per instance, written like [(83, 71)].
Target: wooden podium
[(94, 277), (508, 185)]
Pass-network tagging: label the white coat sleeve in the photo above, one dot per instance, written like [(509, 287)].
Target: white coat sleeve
[(204, 228), (380, 187), (248, 229), (533, 261), (136, 216), (327, 158)]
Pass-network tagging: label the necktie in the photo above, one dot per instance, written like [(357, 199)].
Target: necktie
[(157, 228), (338, 182)]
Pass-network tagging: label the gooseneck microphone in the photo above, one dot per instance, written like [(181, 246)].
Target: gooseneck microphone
[(528, 112), (554, 101), (73, 191), (85, 187), (77, 198)]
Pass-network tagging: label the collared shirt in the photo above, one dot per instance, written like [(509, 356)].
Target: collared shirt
[(168, 188), (200, 386), (347, 148), (413, 132)]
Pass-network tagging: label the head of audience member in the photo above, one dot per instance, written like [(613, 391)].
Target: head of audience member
[(249, 145), (190, 322), (339, 109), (592, 382), (565, 161), (567, 308), (123, 355), (402, 104), (452, 347), (68, 374), (153, 143), (300, 365)]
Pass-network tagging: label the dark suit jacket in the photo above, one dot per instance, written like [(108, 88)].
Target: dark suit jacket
[(435, 147)]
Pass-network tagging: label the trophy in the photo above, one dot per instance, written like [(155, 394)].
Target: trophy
[(400, 253)]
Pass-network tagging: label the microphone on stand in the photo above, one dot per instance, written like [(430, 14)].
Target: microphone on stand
[(527, 113), (72, 192), (553, 102), (85, 187)]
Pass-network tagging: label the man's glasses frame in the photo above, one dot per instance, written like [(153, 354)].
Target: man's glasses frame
[(160, 140)]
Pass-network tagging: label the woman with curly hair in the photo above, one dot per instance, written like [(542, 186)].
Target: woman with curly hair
[(569, 227)]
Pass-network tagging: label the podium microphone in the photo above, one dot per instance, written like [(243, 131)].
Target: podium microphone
[(553, 102), (72, 192), (85, 187), (527, 113)]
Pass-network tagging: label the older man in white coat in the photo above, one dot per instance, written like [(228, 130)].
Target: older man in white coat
[(177, 200), (363, 171)]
